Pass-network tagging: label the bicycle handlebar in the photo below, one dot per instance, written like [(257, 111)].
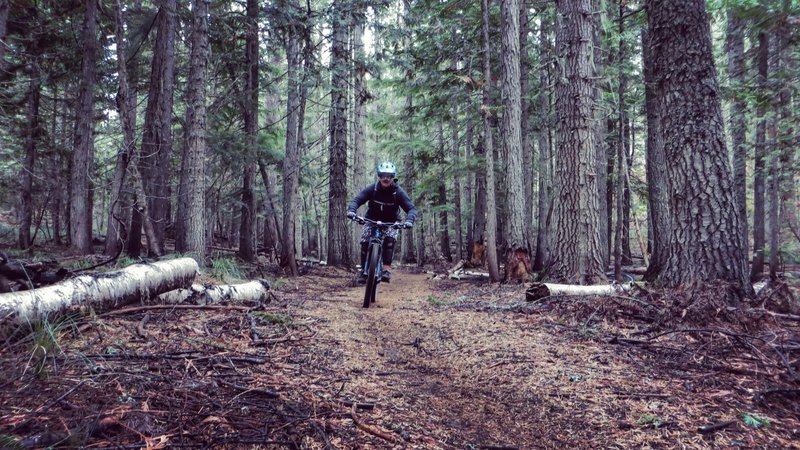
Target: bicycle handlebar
[(362, 220)]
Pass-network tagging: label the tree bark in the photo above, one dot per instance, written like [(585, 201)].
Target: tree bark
[(539, 291), (126, 108), (759, 166), (247, 231), (705, 243), (517, 259), (156, 149), (528, 178), (31, 139), (359, 124), (491, 215), (545, 197), (104, 291), (738, 124), (577, 252), (441, 200), (291, 162), (83, 158), (338, 233), (192, 206), (658, 201), (252, 291)]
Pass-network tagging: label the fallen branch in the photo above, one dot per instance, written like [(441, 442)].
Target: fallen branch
[(371, 430), (715, 427)]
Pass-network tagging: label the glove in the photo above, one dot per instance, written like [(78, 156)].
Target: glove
[(351, 215), (408, 224)]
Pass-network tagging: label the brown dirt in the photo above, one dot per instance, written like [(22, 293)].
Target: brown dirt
[(435, 364)]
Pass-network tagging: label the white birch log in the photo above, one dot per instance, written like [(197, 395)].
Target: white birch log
[(539, 291), (101, 291), (253, 291)]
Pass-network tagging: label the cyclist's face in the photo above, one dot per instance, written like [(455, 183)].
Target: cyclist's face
[(386, 179)]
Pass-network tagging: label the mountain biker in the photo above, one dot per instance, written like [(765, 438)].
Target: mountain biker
[(385, 199)]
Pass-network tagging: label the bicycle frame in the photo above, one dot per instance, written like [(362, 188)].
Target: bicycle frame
[(373, 266)]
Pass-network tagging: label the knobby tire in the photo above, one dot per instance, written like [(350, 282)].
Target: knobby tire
[(372, 270)]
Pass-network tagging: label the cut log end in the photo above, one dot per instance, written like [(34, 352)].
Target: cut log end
[(537, 291)]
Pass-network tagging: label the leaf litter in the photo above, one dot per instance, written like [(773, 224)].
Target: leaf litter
[(435, 364)]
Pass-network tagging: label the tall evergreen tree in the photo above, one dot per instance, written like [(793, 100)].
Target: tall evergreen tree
[(488, 147), (705, 242), (577, 251), (247, 230), (338, 237), (83, 158), (517, 259), (192, 182)]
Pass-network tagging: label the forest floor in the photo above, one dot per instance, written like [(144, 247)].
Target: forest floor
[(434, 364)]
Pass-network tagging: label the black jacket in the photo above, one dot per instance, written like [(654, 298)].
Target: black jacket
[(384, 204)]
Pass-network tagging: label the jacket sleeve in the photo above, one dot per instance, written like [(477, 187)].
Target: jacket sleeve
[(407, 205), (359, 199)]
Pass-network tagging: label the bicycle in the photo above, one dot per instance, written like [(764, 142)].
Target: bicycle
[(373, 266)]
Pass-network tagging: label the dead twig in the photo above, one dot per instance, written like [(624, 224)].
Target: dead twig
[(371, 430), (155, 307), (715, 427)]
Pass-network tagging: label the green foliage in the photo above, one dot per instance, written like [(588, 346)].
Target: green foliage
[(435, 301), (125, 261), (11, 443), (649, 419), (45, 345), (226, 269), (754, 421), (277, 319)]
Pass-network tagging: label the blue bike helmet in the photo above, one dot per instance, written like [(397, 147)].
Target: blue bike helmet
[(386, 167)]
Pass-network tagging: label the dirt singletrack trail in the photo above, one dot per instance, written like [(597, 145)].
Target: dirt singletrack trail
[(447, 365)]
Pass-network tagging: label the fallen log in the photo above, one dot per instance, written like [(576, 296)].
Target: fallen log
[(100, 291), (538, 291), (253, 291)]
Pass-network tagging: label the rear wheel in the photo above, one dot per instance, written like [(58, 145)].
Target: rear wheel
[(372, 270)]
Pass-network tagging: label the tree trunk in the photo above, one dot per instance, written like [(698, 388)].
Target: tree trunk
[(291, 162), (517, 258), (698, 170), (338, 232), (156, 150), (491, 215), (441, 200), (103, 291), (658, 201), (540, 291), (126, 108), (528, 178), (359, 124), (788, 121), (83, 143), (577, 252), (4, 8), (604, 61), (247, 232), (192, 182), (252, 291), (456, 159), (31, 139), (545, 197), (738, 124), (759, 167)]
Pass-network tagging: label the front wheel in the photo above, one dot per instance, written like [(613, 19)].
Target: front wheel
[(372, 271)]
